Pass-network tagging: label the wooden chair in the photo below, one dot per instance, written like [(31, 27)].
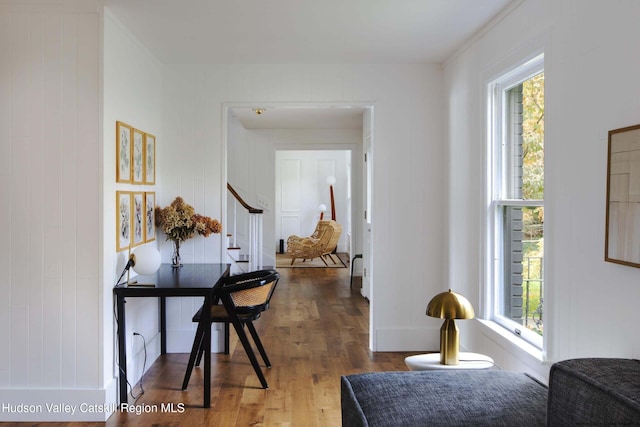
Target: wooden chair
[(244, 297), (333, 243), (315, 245)]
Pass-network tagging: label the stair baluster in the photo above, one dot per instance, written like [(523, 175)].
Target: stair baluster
[(253, 259)]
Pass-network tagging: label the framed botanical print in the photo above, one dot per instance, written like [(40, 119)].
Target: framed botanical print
[(123, 220), (138, 219), (137, 157), (150, 159), (123, 152), (149, 217)]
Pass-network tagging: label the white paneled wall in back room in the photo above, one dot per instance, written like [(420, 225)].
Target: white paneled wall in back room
[(301, 186)]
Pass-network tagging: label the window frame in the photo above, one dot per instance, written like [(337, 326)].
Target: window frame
[(497, 179)]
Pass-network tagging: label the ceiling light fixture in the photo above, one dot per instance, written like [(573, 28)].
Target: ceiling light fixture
[(259, 111)]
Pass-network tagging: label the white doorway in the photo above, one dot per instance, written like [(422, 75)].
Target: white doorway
[(253, 133)]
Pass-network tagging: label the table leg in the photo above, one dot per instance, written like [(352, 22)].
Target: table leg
[(206, 319), (163, 325), (122, 351)]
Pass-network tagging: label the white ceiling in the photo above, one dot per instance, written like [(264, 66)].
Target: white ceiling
[(303, 32)]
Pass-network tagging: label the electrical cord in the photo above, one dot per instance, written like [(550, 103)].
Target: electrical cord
[(144, 366), (122, 373)]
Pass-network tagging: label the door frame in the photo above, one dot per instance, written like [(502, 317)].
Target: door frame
[(368, 128)]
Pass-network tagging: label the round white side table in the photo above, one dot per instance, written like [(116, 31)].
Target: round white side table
[(431, 361)]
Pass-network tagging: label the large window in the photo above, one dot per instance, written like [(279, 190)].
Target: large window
[(516, 255)]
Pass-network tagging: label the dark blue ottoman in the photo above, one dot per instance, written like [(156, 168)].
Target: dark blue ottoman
[(428, 398)]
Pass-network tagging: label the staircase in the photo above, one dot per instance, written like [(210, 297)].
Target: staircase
[(245, 231), (239, 261)]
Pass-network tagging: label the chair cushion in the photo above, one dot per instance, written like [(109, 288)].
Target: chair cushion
[(219, 314)]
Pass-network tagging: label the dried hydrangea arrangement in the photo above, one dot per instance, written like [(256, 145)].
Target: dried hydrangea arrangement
[(180, 222)]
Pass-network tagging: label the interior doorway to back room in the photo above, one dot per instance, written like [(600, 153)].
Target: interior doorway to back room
[(252, 137)]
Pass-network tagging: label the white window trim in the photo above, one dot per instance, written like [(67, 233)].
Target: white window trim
[(528, 340)]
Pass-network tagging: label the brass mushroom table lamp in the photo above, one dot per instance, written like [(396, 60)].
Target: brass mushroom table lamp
[(450, 306)]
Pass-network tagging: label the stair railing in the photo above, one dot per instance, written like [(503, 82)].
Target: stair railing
[(255, 229)]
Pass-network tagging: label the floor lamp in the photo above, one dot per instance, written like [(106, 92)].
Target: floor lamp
[(332, 180), (322, 208)]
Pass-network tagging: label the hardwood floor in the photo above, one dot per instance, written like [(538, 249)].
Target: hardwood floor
[(315, 331)]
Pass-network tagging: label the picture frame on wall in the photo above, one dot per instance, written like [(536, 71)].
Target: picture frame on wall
[(150, 158), (123, 220), (123, 152), (137, 157), (138, 224), (622, 233), (149, 217)]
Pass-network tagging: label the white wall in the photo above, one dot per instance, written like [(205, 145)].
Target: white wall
[(591, 86), (301, 186), (192, 164), (132, 94), (51, 310), (409, 171)]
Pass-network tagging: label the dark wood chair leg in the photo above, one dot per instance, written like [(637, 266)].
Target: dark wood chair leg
[(247, 348), (226, 337), (256, 339), (200, 352)]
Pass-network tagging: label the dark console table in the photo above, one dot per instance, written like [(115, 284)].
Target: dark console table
[(190, 280)]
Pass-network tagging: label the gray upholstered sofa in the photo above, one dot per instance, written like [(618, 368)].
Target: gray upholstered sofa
[(580, 392)]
